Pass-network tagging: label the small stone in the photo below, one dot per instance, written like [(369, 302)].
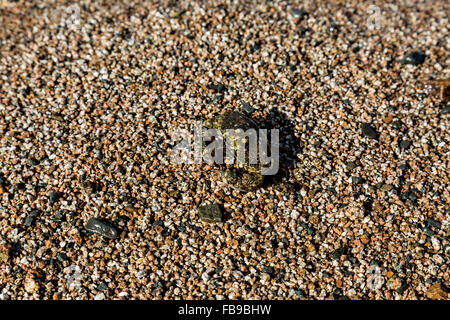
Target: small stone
[(350, 165), (428, 231), (386, 187), (33, 162), (210, 213), (439, 89), (102, 228), (177, 14), (336, 254), (247, 107), (369, 131), (405, 144), (54, 196), (4, 252), (298, 13), (20, 186), (414, 58), (30, 218), (388, 119), (446, 110), (59, 216), (389, 274), (434, 223), (437, 292), (365, 239), (62, 257), (102, 286), (269, 270), (3, 181), (100, 296), (356, 180), (412, 196), (300, 293), (90, 187)]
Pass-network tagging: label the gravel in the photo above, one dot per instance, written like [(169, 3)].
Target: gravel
[(87, 111)]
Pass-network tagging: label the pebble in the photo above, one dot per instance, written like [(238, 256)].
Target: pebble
[(433, 223), (54, 196), (100, 296), (356, 180), (437, 292), (4, 252), (414, 58), (33, 161), (248, 109), (298, 13), (369, 131), (102, 228), (210, 213), (405, 144), (31, 217), (350, 165)]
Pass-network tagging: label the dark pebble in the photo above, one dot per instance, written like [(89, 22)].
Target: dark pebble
[(414, 58), (102, 286), (428, 231), (20, 186), (210, 213), (54, 196), (269, 270), (412, 196), (247, 107), (181, 228), (300, 293), (157, 223), (254, 230), (350, 165), (369, 131), (31, 217), (62, 257), (356, 180), (354, 261), (299, 13), (336, 254), (33, 162), (3, 181), (405, 144), (433, 223), (102, 228)]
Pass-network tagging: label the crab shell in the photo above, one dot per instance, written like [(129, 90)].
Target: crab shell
[(248, 177)]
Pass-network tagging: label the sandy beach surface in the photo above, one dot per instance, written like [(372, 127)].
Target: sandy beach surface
[(90, 94)]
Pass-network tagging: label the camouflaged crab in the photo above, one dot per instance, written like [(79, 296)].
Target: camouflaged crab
[(244, 177)]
